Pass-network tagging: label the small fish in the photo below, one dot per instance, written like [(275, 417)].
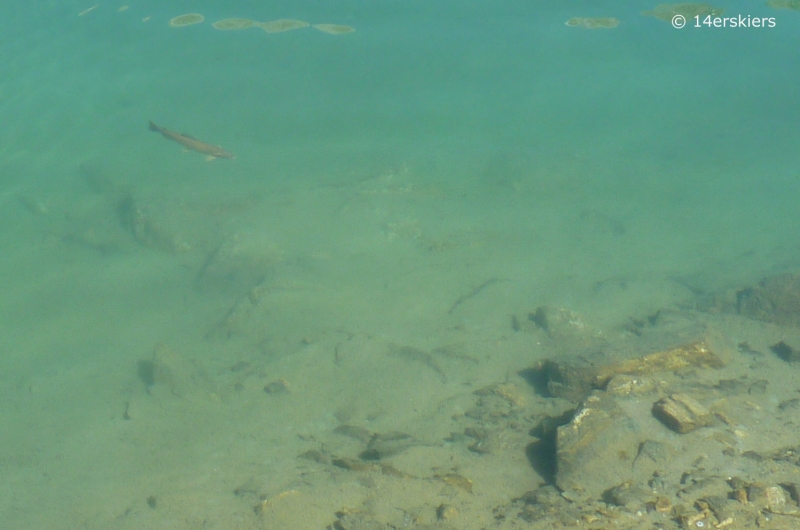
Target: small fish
[(212, 151), (89, 10)]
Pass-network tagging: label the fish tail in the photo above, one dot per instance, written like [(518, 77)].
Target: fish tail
[(154, 127)]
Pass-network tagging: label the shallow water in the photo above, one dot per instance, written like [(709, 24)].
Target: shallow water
[(382, 177)]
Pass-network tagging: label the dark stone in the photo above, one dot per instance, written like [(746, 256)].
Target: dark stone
[(568, 381), (146, 371), (785, 352), (599, 429), (387, 444), (629, 495), (353, 431), (789, 404), (542, 453), (753, 455), (539, 317), (723, 507), (651, 453), (316, 456), (758, 387), (775, 299)]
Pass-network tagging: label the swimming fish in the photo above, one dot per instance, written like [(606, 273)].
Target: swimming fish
[(194, 144)]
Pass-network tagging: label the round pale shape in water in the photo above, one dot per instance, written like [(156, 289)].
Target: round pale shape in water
[(284, 24), (186, 20), (334, 29), (234, 23)]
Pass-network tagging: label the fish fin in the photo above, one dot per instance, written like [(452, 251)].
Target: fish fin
[(210, 158), (188, 136)]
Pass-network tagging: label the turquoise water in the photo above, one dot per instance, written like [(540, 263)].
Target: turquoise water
[(381, 176)]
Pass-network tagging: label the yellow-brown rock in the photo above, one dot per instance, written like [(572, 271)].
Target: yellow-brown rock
[(681, 413), (696, 354)]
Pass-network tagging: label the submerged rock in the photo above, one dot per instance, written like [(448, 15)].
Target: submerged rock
[(681, 413), (590, 447), (775, 299)]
